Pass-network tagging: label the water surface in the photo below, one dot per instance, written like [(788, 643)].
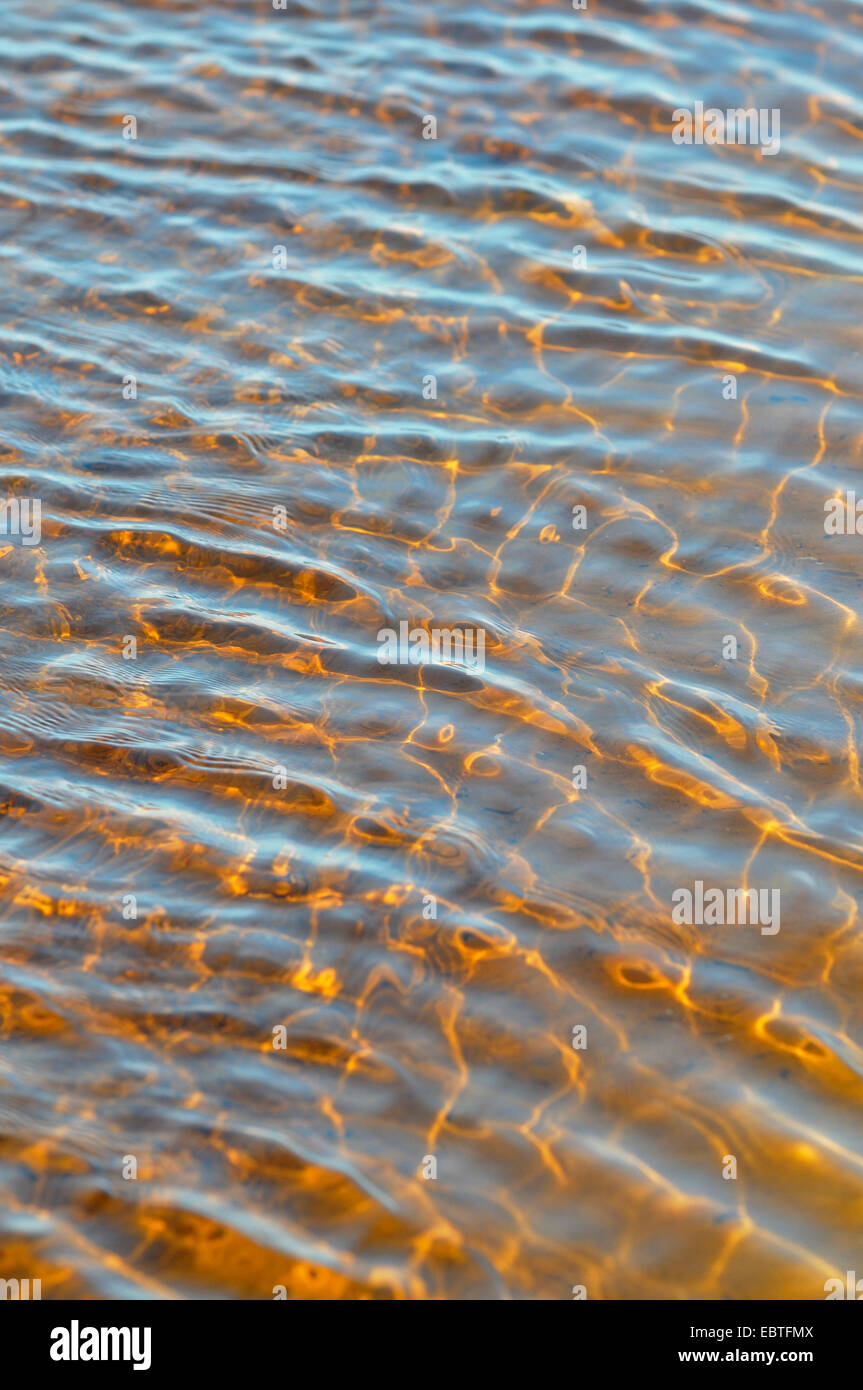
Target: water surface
[(288, 813)]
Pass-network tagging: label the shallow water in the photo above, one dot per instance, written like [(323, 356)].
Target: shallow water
[(302, 899)]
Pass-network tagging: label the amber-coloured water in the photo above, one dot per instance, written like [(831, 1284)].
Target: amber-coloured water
[(286, 930)]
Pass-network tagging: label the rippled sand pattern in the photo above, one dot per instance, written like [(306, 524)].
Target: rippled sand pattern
[(302, 900)]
